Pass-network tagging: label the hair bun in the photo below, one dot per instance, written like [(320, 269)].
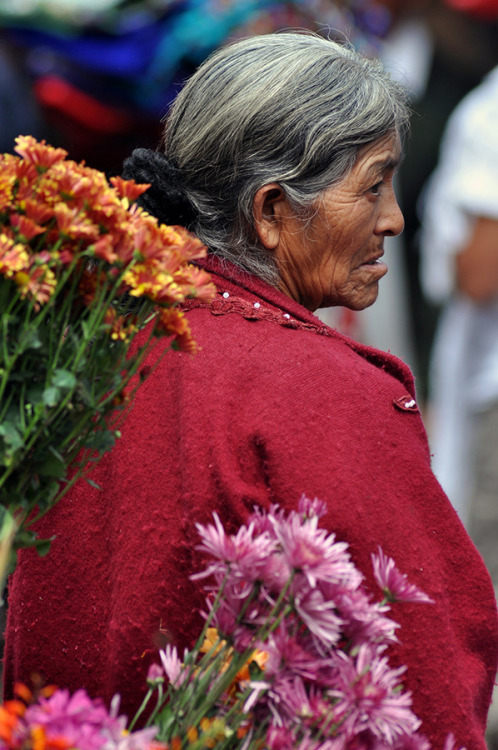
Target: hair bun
[(165, 199)]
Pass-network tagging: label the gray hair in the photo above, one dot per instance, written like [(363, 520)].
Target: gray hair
[(290, 108)]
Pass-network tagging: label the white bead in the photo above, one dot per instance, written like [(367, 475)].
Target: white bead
[(286, 315), (257, 305), (226, 295)]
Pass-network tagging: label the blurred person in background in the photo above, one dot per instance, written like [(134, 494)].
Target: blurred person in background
[(460, 270)]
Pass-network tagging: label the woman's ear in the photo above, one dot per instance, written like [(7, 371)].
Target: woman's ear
[(269, 209)]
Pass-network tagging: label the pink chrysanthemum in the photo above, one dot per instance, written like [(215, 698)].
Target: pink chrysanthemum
[(288, 654), (314, 552), (370, 699), (77, 721), (318, 614), (308, 508), (243, 554), (394, 584), (172, 665)]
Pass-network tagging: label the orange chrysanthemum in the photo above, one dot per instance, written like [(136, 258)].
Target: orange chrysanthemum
[(13, 257), (38, 283), (25, 226), (38, 152), (172, 322), (128, 190), (58, 213)]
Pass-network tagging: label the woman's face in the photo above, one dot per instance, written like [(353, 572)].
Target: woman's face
[(335, 258)]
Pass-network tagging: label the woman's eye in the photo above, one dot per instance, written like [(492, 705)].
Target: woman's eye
[(375, 189)]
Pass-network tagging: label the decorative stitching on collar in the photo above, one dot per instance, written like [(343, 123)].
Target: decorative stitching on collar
[(225, 303)]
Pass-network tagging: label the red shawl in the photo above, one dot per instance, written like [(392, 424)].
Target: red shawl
[(274, 405)]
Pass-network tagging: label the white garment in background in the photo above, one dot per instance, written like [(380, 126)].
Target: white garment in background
[(464, 370)]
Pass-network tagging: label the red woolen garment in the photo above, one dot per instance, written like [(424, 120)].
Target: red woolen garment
[(274, 405)]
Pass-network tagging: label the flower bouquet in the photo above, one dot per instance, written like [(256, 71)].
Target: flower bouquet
[(82, 270), (293, 655)]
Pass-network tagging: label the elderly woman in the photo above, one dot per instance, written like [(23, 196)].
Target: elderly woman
[(279, 154)]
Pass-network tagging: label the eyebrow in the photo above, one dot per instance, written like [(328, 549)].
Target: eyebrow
[(384, 165)]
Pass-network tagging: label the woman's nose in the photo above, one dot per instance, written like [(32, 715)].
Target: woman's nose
[(391, 221)]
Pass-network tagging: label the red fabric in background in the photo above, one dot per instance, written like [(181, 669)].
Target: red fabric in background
[(270, 408)]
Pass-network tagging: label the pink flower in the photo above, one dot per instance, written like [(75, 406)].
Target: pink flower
[(394, 584), (365, 621), (155, 675), (369, 697), (280, 738), (450, 743), (172, 665), (313, 552), (243, 555), (288, 654), (318, 614), (308, 508), (77, 719)]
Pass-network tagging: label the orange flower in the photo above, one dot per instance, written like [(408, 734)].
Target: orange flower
[(195, 282), (74, 224), (13, 257), (104, 248), (7, 182), (172, 322), (38, 283), (150, 280), (37, 211), (121, 328), (192, 734), (128, 190), (10, 713), (25, 226), (212, 641), (38, 153)]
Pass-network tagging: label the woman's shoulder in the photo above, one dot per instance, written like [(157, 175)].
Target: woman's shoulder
[(245, 334)]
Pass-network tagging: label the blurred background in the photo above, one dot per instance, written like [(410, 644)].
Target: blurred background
[(96, 78)]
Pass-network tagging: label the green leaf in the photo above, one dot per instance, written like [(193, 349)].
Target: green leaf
[(25, 538), (92, 483), (43, 546), (63, 379), (101, 441), (11, 435), (30, 340), (51, 396), (53, 464)]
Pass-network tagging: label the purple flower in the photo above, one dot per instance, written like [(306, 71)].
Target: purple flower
[(365, 621), (369, 698), (319, 615), (394, 584), (280, 738), (450, 743), (287, 654), (172, 665), (244, 555), (82, 722), (315, 553), (155, 675), (308, 508)]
